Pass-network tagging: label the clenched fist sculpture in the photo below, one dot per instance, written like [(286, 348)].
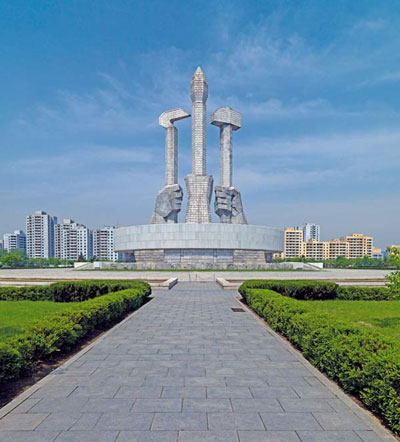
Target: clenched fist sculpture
[(228, 205), (168, 205)]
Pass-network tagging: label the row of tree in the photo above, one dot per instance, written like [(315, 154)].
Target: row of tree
[(351, 263), (17, 259)]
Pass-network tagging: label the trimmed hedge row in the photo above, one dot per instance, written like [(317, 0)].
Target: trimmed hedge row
[(73, 291), (59, 332), (367, 294), (365, 363), (322, 290)]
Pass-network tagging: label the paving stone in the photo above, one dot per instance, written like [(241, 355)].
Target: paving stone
[(157, 405), (164, 381), (179, 421), (328, 436), (22, 421), (369, 436), (28, 436), (229, 392), (206, 405), (125, 421), (59, 421), (52, 391), (95, 391), (268, 405), (87, 436), (87, 421), (268, 436), (53, 405), (289, 421), (131, 392), (305, 405), (318, 391), (207, 436), (184, 392), (235, 421), (26, 405), (147, 436), (204, 381), (273, 392), (107, 405), (340, 421)]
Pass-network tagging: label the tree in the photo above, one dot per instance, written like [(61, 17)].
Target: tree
[(394, 278)]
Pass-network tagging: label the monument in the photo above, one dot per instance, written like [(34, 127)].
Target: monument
[(198, 242)]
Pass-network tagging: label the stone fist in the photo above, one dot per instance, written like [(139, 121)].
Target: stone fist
[(168, 204), (228, 205)]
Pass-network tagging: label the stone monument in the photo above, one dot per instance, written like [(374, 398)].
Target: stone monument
[(199, 184), (199, 243), (228, 201), (169, 199)]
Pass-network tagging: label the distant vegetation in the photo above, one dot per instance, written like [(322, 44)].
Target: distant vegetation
[(17, 259), (349, 263)]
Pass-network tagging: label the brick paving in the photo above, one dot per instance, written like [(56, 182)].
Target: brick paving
[(187, 368)]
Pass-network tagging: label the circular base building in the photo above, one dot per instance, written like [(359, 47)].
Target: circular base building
[(199, 246)]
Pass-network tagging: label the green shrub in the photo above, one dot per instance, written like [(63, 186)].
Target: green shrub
[(34, 293), (297, 289), (59, 332), (362, 361), (367, 294), (69, 291), (321, 290)]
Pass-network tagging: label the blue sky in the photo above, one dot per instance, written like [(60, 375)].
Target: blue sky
[(82, 84)]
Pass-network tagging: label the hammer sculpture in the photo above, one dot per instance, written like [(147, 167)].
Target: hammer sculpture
[(169, 199), (228, 201)]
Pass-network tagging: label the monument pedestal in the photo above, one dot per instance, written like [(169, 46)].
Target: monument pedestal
[(199, 246)]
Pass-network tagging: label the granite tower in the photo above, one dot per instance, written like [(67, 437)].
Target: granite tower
[(198, 183)]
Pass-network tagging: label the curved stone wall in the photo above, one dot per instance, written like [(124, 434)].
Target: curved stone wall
[(198, 237)]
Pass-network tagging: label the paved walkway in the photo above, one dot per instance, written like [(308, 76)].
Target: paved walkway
[(187, 368)]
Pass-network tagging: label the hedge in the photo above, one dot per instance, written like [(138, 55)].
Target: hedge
[(364, 362), (367, 294), (71, 291), (59, 332), (322, 290)]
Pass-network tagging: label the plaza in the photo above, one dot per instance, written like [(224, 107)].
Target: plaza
[(188, 367)]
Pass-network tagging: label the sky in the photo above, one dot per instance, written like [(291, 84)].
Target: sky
[(82, 84)]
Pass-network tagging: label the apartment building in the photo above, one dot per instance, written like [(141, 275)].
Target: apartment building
[(16, 240), (356, 245), (72, 240), (359, 245), (337, 247), (311, 231), (103, 244), (313, 249), (40, 235), (293, 242)]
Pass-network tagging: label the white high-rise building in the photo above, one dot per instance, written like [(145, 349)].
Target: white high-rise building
[(311, 231), (72, 240), (103, 244), (16, 240), (40, 235)]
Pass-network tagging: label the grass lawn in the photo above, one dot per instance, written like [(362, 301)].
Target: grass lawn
[(383, 316), (16, 315)]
